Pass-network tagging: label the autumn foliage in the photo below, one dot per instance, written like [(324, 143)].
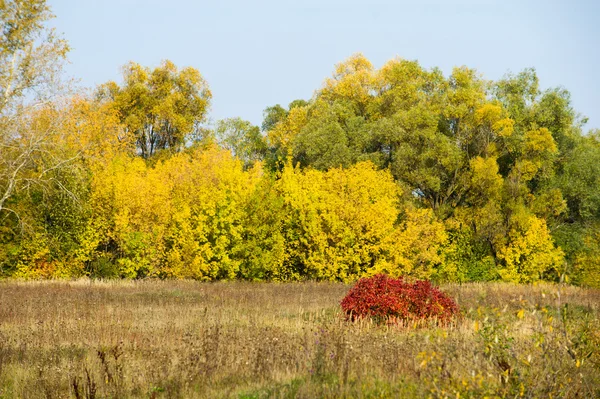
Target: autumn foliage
[(399, 170), (385, 299)]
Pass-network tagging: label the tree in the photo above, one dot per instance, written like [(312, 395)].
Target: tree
[(242, 139), (276, 113), (426, 128), (30, 153), (161, 108), (480, 155), (272, 116), (579, 180), (31, 56), (282, 126), (46, 169)]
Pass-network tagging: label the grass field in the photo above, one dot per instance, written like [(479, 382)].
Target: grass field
[(86, 339)]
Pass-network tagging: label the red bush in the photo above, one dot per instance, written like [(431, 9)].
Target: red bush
[(383, 298)]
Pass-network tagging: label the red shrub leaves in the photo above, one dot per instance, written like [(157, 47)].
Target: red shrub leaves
[(383, 298)]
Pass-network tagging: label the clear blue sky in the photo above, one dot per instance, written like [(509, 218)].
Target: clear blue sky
[(259, 53)]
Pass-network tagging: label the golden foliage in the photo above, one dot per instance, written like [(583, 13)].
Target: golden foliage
[(529, 252), (179, 218)]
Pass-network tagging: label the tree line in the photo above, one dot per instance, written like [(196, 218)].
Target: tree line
[(400, 170)]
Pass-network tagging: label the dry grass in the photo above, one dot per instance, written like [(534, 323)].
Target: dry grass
[(86, 339)]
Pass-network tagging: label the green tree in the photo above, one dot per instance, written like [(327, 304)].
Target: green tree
[(272, 115), (579, 179), (242, 139)]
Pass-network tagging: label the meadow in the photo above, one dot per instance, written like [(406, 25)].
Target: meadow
[(155, 339)]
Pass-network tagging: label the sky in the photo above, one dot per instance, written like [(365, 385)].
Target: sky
[(255, 54)]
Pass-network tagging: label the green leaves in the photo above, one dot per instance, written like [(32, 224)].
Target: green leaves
[(242, 139), (482, 156)]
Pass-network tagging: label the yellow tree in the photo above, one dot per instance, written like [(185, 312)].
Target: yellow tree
[(341, 225), (162, 108), (529, 253), (335, 222), (52, 238), (181, 217)]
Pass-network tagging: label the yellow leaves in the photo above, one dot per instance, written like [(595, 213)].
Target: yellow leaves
[(76, 128), (587, 262), (492, 114), (284, 132), (353, 80), (180, 218), (95, 130), (415, 246), (525, 169), (538, 152), (160, 107), (466, 93), (486, 182), (521, 314), (134, 73), (355, 64), (539, 143), (341, 218), (504, 127), (530, 251), (187, 217), (488, 112), (399, 85), (548, 203)]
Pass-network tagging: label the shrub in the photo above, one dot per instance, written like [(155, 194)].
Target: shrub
[(386, 299)]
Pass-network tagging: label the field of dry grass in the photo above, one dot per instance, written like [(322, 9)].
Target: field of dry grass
[(86, 339)]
